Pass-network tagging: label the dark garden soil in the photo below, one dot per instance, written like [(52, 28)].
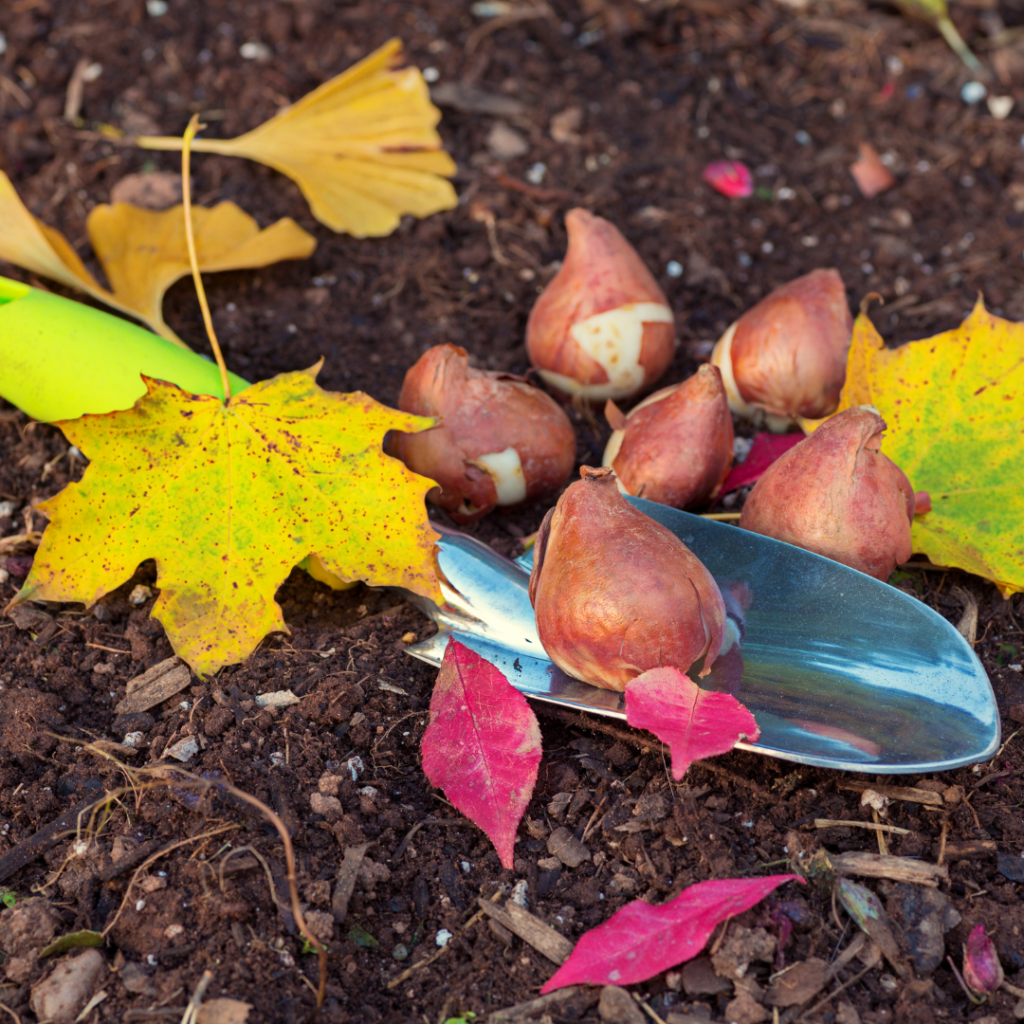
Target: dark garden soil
[(662, 88)]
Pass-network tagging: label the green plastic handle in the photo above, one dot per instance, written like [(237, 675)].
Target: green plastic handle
[(60, 359)]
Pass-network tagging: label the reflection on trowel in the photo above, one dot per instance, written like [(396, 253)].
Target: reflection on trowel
[(839, 670)]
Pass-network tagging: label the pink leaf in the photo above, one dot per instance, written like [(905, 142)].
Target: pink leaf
[(640, 941), (729, 177), (482, 746), (695, 723), (763, 452)]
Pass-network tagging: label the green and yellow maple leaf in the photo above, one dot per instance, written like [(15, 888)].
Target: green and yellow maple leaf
[(954, 407), (228, 498)]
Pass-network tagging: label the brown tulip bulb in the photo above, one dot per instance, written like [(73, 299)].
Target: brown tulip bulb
[(616, 593), (836, 494), (786, 357), (500, 440), (676, 446), (602, 328)]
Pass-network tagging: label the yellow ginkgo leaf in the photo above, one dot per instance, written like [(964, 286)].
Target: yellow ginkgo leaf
[(30, 244), (363, 147), (144, 252), (954, 408)]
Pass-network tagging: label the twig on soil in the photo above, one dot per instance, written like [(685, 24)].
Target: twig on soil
[(192, 1010), (427, 961), (828, 999), (850, 823), (4, 1006)]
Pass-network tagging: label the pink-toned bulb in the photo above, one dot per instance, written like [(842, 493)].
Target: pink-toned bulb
[(836, 494), (500, 441), (602, 328), (786, 357), (676, 446), (983, 972), (616, 593)]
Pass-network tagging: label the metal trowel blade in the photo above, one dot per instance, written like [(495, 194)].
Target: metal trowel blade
[(839, 670)]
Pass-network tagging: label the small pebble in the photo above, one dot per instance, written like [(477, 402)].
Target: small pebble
[(973, 92), (431, 75), (535, 175), (802, 138), (1000, 106), (254, 51), (785, 193), (400, 952), (139, 595), (674, 268), (156, 8), (443, 937)]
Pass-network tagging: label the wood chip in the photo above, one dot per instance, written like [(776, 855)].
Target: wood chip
[(346, 884), (898, 869), (910, 794), (875, 827), (154, 686), (971, 848), (277, 699), (530, 929)]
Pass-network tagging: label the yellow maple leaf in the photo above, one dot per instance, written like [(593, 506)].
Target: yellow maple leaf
[(954, 408), (363, 147), (143, 252), (228, 498)]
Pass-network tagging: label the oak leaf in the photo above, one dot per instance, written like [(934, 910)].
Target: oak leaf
[(363, 147), (953, 407), (695, 723), (143, 252), (228, 498), (482, 746), (640, 940)]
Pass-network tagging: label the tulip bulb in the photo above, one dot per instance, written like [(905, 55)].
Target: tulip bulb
[(500, 440), (676, 446), (616, 593), (836, 494), (786, 357), (602, 328), (983, 972)]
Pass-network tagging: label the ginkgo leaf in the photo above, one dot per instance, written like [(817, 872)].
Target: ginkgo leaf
[(695, 723), (363, 147), (143, 252), (482, 746), (954, 408), (228, 498), (28, 243), (640, 941)]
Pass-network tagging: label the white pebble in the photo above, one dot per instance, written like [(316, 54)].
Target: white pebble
[(156, 8), (535, 175), (973, 92), (674, 268), (431, 75), (254, 51), (443, 937), (1000, 106)]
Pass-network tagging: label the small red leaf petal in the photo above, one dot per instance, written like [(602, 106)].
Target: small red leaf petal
[(763, 452), (640, 941), (482, 746), (695, 723), (729, 177)]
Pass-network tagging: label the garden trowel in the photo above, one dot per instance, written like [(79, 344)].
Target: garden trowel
[(839, 669)]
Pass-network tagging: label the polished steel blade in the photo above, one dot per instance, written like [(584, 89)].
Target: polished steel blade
[(840, 670)]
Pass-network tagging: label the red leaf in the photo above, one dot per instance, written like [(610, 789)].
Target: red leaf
[(763, 452), (695, 723), (640, 941), (482, 746), (729, 177)]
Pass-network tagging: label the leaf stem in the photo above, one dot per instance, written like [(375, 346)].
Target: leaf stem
[(186, 199)]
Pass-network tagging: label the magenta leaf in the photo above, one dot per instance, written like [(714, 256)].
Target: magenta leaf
[(763, 452), (482, 745), (695, 723), (729, 177), (982, 970), (640, 941)]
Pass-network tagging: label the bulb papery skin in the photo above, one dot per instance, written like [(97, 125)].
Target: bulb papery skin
[(602, 328), (500, 441), (836, 494), (677, 445), (786, 357), (615, 593), (983, 972)]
